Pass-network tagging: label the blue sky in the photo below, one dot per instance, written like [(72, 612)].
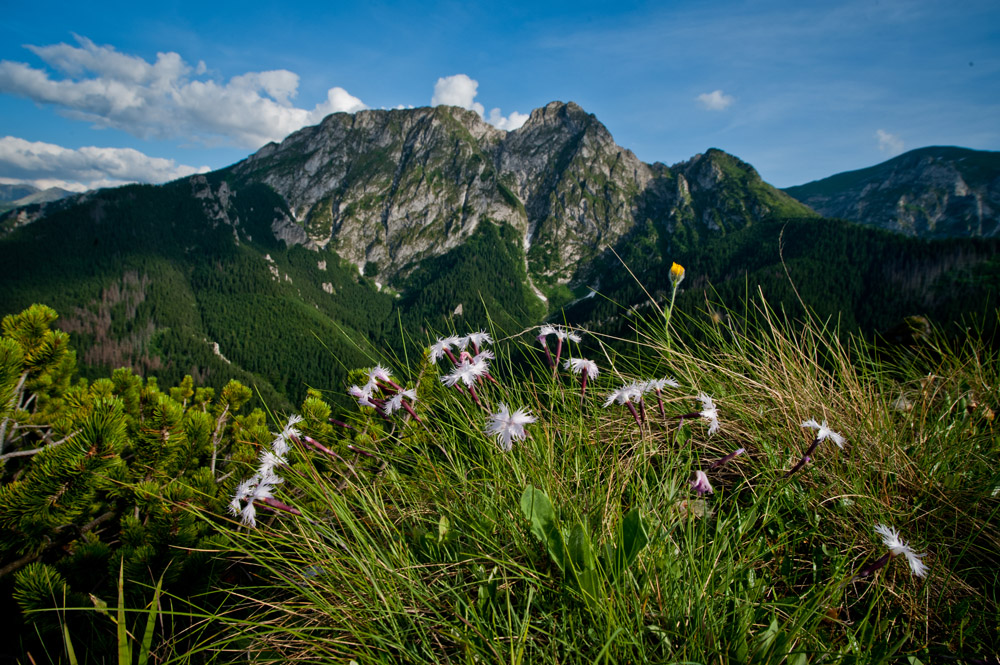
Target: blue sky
[(96, 94)]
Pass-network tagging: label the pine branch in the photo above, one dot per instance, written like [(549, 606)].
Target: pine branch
[(67, 533), (217, 434), (12, 405), (25, 453)]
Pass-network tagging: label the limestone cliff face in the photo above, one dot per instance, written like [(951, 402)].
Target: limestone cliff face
[(930, 192), (578, 187), (386, 189)]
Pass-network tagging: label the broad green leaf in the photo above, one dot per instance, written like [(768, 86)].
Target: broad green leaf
[(538, 509), (580, 551), (634, 537)]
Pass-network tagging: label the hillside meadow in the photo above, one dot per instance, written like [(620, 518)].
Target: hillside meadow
[(744, 487)]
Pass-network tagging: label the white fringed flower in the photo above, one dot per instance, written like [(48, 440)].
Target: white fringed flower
[(890, 537), (243, 492), (631, 392), (508, 426), (824, 432), (438, 348), (709, 413), (563, 334), (280, 444), (395, 403), (660, 384), (479, 338), (378, 373), (579, 365), (468, 372), (363, 395), (269, 460)]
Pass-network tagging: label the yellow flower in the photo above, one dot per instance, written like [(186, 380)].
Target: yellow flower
[(676, 274)]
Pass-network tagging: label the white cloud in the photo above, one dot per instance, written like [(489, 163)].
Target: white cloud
[(889, 143), (510, 123), (457, 90), (47, 165), (460, 90), (715, 100), (337, 100), (167, 98)]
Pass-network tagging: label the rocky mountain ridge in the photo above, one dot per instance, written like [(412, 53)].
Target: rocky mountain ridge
[(386, 189), (929, 192)]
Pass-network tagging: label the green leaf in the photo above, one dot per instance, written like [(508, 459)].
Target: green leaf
[(766, 640), (444, 526), (147, 637), (124, 651), (589, 583), (797, 659), (580, 551), (538, 509), (70, 653), (634, 537)]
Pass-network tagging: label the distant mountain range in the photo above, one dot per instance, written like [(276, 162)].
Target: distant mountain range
[(17, 196), (322, 253), (931, 192)]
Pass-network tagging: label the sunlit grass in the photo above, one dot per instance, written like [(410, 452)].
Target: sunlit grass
[(426, 542)]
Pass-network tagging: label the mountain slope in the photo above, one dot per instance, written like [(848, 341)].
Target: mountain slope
[(933, 192)]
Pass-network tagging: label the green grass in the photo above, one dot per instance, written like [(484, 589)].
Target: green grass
[(426, 543)]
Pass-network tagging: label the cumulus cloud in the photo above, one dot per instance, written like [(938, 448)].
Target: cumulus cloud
[(457, 90), (48, 165), (715, 100), (460, 90), (167, 98), (511, 122), (888, 143)]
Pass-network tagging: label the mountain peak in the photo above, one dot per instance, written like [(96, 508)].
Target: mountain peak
[(563, 115)]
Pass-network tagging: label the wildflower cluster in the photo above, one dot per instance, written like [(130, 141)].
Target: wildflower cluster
[(384, 394), (464, 365), (258, 490), (468, 369)]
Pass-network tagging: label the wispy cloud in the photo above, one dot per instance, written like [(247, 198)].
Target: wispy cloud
[(715, 100), (888, 143), (48, 165), (167, 98), (461, 90)]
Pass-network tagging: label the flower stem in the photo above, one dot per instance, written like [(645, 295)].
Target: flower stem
[(635, 414), (548, 356), (874, 566), (670, 311), (409, 409), (278, 505)]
